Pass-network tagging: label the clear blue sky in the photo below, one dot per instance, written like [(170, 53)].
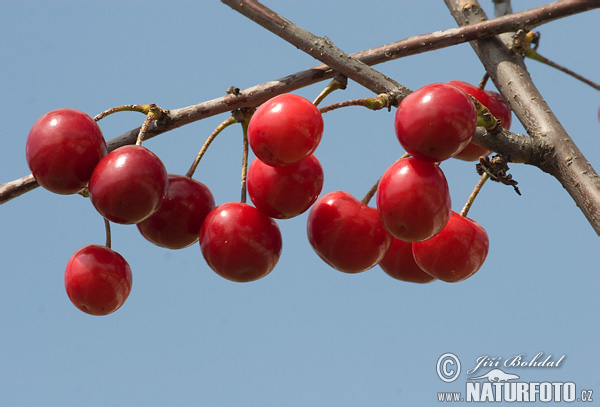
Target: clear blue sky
[(306, 335)]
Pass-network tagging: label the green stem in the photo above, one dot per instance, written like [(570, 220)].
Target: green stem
[(377, 103), (145, 109), (335, 84), (484, 117)]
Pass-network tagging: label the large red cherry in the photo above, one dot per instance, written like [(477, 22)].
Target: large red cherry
[(239, 242), (497, 107), (63, 148), (413, 199), (176, 224), (435, 122), (97, 279), (128, 185), (285, 192), (399, 263), (456, 253), (285, 130), (346, 233)]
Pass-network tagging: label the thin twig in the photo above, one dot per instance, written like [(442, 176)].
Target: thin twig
[(320, 48)]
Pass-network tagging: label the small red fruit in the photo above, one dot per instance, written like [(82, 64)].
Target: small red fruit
[(62, 149), (497, 107), (346, 233), (285, 192), (176, 224), (399, 263), (239, 242), (413, 199), (285, 130), (435, 122), (456, 253), (128, 185), (97, 279)]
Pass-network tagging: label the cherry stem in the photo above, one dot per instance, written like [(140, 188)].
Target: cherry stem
[(533, 54), (377, 103), (469, 203), (483, 81), (230, 120), (244, 123), (144, 129), (373, 189), (154, 113), (338, 82), (145, 109), (484, 117), (108, 234)]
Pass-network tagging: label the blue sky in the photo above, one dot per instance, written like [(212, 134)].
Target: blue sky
[(305, 334)]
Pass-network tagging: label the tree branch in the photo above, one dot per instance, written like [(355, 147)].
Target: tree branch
[(254, 96), (320, 48), (560, 156)]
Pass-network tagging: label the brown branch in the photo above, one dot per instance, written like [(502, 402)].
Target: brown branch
[(557, 153), (254, 96), (320, 48)]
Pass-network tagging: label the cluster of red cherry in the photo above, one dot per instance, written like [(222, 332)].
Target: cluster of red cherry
[(67, 153), (412, 234)]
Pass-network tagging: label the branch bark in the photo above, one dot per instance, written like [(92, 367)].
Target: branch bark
[(561, 158), (254, 96), (320, 48)]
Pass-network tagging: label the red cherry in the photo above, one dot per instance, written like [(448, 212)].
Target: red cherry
[(472, 90), (177, 221), (413, 199), (97, 279), (346, 233), (285, 192), (399, 263), (128, 185), (472, 152), (285, 129), (62, 149), (435, 122), (456, 253), (498, 108), (239, 242)]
